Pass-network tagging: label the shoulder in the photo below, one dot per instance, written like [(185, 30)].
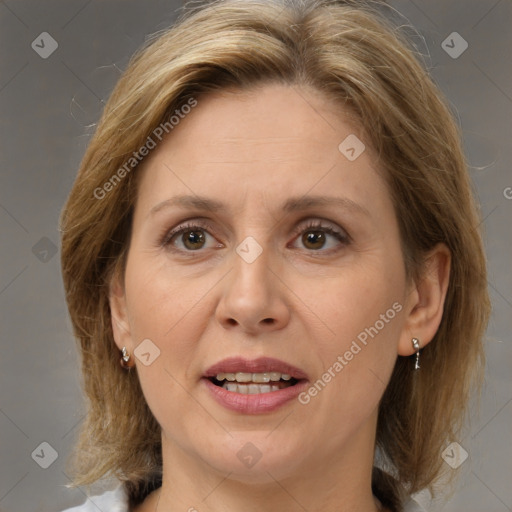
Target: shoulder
[(113, 501)]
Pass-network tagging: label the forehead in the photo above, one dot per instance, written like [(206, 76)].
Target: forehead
[(275, 117), (267, 141)]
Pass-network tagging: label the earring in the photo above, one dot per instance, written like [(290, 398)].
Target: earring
[(125, 360), (416, 345)]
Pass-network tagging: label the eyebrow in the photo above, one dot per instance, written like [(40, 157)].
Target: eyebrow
[(293, 204)]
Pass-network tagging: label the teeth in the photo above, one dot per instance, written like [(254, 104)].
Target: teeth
[(250, 389), (259, 378), (253, 389)]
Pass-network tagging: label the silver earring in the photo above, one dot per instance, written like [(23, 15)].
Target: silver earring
[(125, 360), (416, 345)]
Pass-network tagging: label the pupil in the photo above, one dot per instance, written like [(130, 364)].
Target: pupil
[(193, 237), (316, 238)]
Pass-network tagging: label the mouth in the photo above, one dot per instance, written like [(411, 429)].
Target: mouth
[(256, 386), (256, 376)]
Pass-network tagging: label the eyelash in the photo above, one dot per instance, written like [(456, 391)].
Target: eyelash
[(342, 236)]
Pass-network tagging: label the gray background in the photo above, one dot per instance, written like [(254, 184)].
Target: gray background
[(48, 108)]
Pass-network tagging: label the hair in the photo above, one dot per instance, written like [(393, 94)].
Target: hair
[(353, 54)]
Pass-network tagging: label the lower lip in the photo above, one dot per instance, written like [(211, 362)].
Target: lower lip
[(254, 404)]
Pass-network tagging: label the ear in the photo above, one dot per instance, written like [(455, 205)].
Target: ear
[(119, 313), (425, 301)]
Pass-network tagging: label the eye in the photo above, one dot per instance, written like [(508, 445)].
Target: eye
[(192, 237), (315, 236), (188, 238)]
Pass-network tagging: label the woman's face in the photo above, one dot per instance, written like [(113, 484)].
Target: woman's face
[(283, 245)]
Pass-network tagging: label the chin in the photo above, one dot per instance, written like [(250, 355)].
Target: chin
[(257, 457)]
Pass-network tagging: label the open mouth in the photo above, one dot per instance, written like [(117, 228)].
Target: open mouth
[(253, 383)]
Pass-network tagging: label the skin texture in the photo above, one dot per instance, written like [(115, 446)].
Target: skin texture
[(300, 301)]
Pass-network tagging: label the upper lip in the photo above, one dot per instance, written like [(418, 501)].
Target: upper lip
[(259, 365)]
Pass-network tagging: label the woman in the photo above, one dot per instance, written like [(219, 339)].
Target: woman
[(273, 232)]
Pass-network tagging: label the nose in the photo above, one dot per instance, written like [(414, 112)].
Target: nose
[(253, 297)]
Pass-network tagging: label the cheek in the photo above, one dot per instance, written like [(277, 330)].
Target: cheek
[(356, 344), (161, 298), (166, 309), (163, 309), (358, 299)]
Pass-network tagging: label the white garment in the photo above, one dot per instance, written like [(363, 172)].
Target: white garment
[(111, 501), (117, 501)]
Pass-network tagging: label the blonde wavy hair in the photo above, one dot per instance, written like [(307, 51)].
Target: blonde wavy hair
[(355, 55)]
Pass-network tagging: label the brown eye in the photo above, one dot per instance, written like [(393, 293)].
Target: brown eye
[(317, 237), (313, 239), (189, 238), (193, 239)]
